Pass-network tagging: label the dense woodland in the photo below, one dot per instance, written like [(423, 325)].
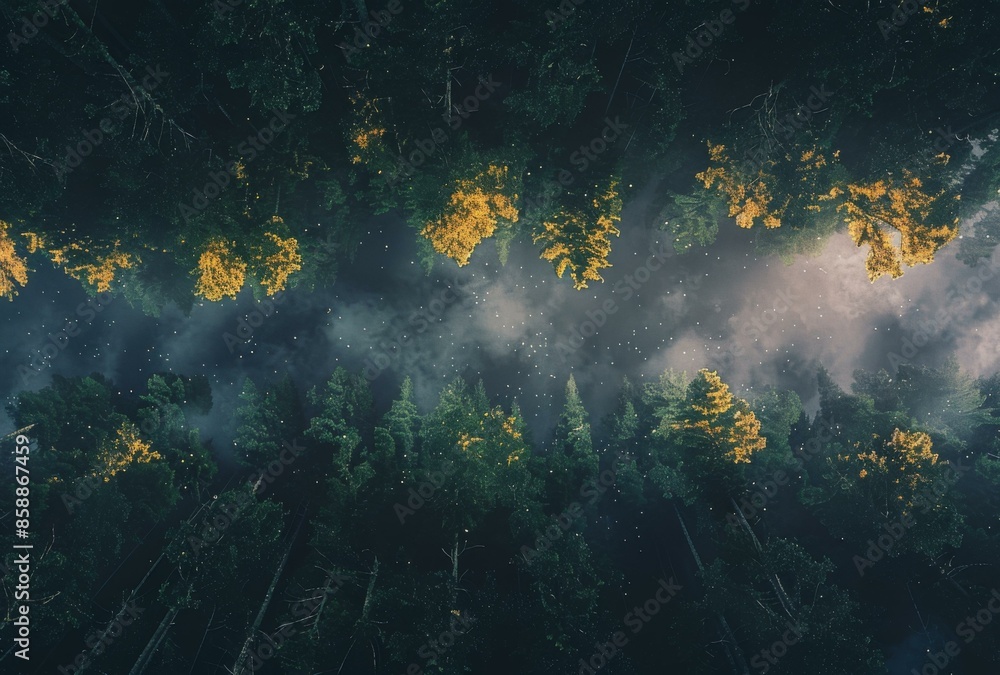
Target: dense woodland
[(345, 540), (172, 152), (178, 151)]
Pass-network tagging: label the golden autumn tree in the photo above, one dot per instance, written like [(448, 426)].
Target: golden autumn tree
[(13, 268), (579, 239), (919, 216), (221, 273), (897, 472), (476, 206), (366, 130), (747, 190), (101, 272), (279, 259), (801, 176), (94, 264), (879, 485), (725, 420), (122, 450)]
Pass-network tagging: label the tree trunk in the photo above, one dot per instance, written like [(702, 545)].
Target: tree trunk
[(779, 590), (733, 651), (238, 668), (133, 85), (154, 643)]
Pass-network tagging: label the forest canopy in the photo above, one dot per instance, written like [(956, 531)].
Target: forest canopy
[(252, 156)]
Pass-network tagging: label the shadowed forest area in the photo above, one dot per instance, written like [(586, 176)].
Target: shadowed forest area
[(175, 154)]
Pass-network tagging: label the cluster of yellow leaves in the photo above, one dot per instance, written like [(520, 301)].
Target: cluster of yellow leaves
[(35, 241), (904, 206), (581, 242), (221, 273), (748, 196), (101, 272), (280, 265), (367, 131), (738, 434), (465, 440), (100, 269), (125, 448), (473, 211), (906, 458), (13, 269), (495, 424), (510, 428)]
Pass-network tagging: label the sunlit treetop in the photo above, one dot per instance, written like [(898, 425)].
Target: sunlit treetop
[(367, 131), (579, 239), (904, 466), (904, 205), (284, 261), (221, 273), (101, 273), (475, 208), (13, 268), (747, 192), (722, 417), (125, 448), (91, 264)]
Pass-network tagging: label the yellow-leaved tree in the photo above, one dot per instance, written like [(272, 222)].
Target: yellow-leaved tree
[(802, 177), (366, 131), (125, 448), (579, 239), (95, 265), (727, 421), (904, 204), (280, 258), (13, 268), (476, 206), (905, 468), (221, 273), (101, 271), (747, 190)]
